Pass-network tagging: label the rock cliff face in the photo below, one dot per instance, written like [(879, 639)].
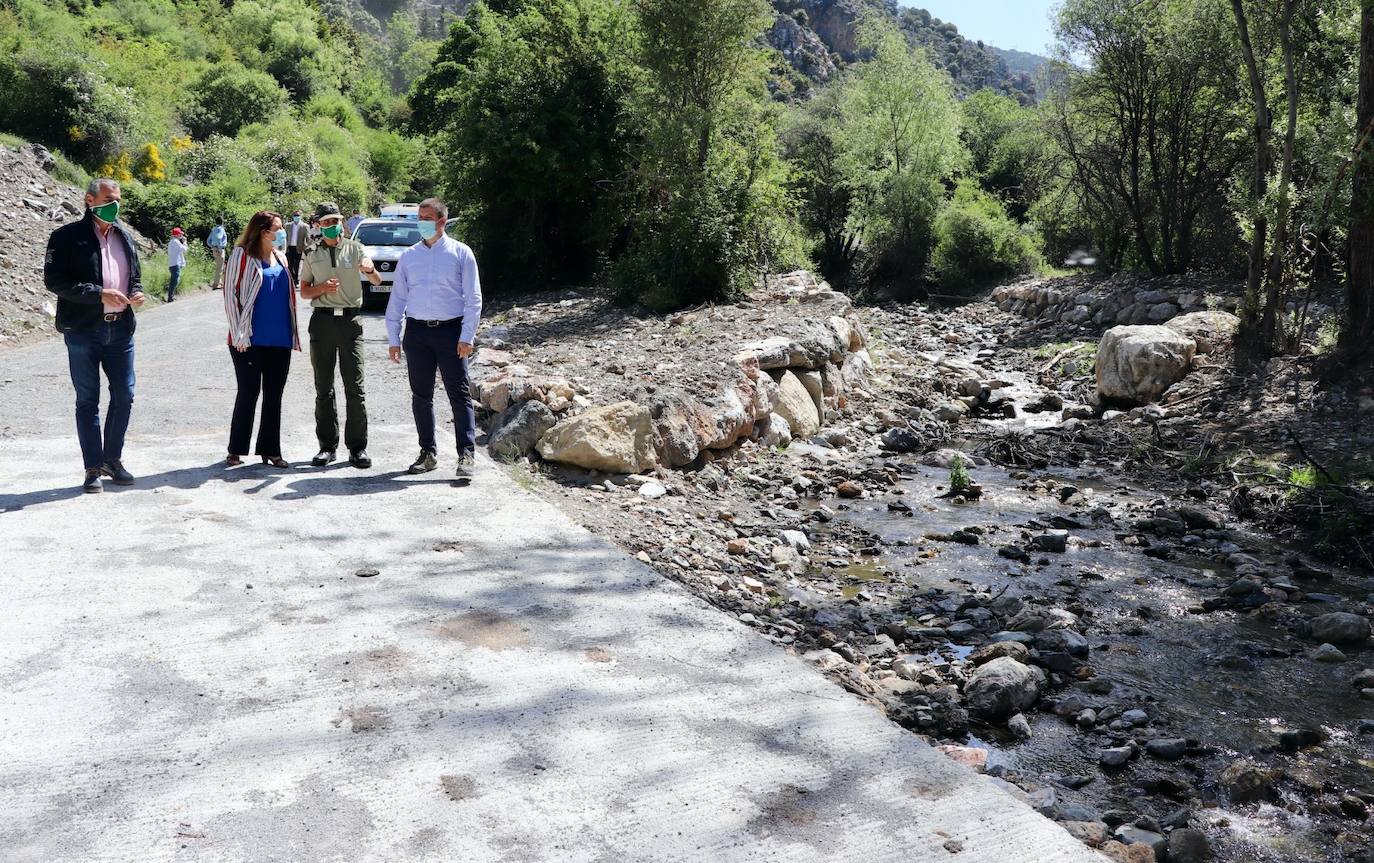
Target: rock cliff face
[(819, 37)]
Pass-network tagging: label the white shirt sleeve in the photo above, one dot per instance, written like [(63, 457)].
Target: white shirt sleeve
[(472, 297), (396, 304)]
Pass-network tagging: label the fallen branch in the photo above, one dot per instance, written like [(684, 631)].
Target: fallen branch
[(1061, 355)]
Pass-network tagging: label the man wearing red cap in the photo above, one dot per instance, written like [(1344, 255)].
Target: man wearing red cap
[(176, 259)]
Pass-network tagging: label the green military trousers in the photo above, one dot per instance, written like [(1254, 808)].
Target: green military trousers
[(338, 340)]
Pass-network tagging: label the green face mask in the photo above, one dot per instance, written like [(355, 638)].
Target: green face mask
[(331, 232), (107, 212)]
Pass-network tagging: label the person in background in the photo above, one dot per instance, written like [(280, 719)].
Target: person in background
[(297, 237), (353, 222), (92, 266), (330, 280), (176, 260), (218, 241), (260, 304), (438, 294)]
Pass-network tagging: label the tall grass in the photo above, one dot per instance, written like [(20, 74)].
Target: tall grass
[(199, 269)]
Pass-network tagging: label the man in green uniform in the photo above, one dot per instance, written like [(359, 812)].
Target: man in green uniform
[(330, 280)]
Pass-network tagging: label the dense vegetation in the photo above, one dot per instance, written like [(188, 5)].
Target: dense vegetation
[(667, 150), (203, 108)]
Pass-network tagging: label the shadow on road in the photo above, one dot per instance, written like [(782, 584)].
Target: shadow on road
[(261, 478)]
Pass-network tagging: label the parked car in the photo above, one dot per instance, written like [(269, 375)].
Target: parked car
[(401, 211), (384, 240)]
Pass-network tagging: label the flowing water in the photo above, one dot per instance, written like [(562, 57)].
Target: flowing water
[(1230, 681)]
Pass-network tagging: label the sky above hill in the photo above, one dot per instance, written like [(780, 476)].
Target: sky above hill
[(1020, 24)]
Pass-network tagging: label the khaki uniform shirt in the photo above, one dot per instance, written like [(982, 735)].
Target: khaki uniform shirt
[(323, 263)]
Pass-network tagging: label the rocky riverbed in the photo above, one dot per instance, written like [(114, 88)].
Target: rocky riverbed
[(1086, 622)]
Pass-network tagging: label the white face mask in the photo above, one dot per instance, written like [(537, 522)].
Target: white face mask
[(428, 228)]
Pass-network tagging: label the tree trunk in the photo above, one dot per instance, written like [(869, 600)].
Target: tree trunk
[(1359, 284), (1273, 293), (1263, 124)]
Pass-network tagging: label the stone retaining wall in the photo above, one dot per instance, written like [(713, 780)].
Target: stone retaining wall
[(1124, 298)]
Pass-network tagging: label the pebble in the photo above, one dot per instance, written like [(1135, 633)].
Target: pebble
[(652, 490), (1129, 834), (1115, 757), (1167, 748), (1328, 653), (1187, 845), (1019, 727)]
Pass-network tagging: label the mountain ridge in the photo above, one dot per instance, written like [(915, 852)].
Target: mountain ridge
[(818, 38)]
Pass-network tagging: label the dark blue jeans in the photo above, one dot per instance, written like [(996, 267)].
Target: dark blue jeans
[(109, 345), (172, 283), (430, 349)]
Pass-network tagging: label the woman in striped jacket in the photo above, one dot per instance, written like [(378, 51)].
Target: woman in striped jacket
[(260, 303)]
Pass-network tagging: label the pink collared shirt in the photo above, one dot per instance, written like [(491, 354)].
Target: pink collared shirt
[(114, 265)]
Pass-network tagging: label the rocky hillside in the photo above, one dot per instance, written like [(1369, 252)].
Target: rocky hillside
[(32, 203), (818, 37)]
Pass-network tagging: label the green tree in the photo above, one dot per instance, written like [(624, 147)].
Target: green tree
[(1148, 131), (1358, 332), (706, 205), (813, 146), (1004, 144), (228, 97), (900, 131), (529, 110), (977, 243)]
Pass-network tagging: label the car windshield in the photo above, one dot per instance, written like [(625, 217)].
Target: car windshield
[(393, 234)]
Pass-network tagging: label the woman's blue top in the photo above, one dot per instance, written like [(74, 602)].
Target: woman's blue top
[(272, 309)]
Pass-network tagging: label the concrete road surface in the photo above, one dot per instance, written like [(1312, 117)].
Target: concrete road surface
[(196, 668)]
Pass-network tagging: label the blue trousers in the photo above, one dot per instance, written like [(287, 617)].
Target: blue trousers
[(172, 282), (108, 346), (430, 349)]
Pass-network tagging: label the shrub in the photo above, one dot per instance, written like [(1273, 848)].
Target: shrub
[(688, 251), (149, 165), (62, 101), (977, 243), (283, 155), (337, 108), (228, 97)]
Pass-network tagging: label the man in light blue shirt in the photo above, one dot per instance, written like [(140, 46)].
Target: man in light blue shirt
[(218, 241), (438, 293)]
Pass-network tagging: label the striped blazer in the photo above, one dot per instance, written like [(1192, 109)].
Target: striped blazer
[(241, 288)]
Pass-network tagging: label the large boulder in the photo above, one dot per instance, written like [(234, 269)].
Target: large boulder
[(1211, 330), (1136, 364), (1340, 627), (796, 406), (678, 427), (513, 384), (516, 431), (616, 438), (815, 387), (1003, 687)]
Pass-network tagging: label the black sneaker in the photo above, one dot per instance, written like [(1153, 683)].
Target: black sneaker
[(115, 471), (324, 457), (466, 465), (425, 463), (92, 485), (360, 459)]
